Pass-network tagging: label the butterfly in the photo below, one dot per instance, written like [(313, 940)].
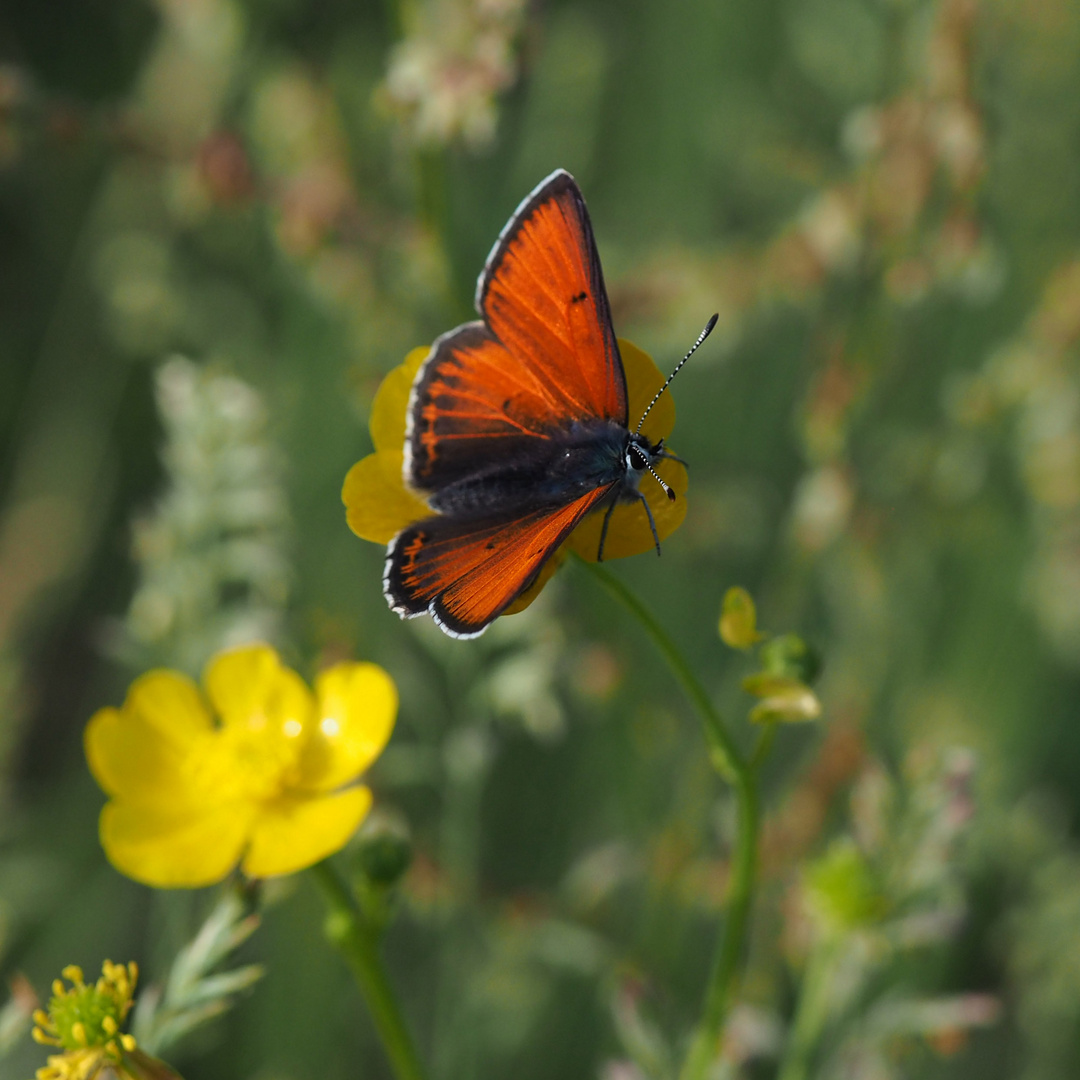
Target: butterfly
[(517, 423)]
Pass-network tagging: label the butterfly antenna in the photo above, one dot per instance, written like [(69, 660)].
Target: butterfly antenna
[(693, 349), (667, 487)]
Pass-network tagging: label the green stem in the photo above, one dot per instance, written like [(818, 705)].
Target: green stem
[(764, 745), (811, 1015), (357, 942), (705, 1045), (725, 754), (730, 763)]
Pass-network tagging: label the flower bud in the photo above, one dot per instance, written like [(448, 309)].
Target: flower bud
[(384, 852), (791, 657), (738, 619), (842, 889), (783, 699)]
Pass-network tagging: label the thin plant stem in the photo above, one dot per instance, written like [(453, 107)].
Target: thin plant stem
[(705, 1045), (429, 163), (742, 775), (724, 752), (764, 745), (811, 1015), (358, 943)]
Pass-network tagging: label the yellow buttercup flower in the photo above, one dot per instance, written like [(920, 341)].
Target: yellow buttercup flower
[(256, 769), (379, 504), (84, 1021)]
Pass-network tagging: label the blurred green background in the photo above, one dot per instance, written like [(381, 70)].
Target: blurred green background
[(222, 221)]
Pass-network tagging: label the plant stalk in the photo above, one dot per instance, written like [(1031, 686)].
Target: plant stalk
[(724, 753), (705, 1045), (742, 775), (811, 1015), (358, 944)]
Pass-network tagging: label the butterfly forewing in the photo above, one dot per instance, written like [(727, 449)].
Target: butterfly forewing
[(474, 405), (544, 357), (542, 293)]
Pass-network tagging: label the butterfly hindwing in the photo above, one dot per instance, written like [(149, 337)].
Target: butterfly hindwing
[(544, 357), (467, 572)]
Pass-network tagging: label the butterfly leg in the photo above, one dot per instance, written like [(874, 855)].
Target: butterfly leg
[(652, 521), (661, 451), (663, 454), (603, 532)]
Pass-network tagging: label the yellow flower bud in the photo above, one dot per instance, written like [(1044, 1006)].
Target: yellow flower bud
[(738, 619)]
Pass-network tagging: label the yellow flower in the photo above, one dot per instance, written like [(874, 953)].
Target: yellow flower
[(84, 1021), (270, 782), (379, 504)]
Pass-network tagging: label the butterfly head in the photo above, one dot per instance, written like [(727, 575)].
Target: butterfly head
[(640, 457)]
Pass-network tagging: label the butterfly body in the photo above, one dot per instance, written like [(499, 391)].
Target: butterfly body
[(517, 425), (586, 456)]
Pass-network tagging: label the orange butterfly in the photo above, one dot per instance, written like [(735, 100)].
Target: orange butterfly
[(517, 424)]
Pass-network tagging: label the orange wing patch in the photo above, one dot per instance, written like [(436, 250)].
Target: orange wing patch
[(467, 573), (474, 403), (542, 294)]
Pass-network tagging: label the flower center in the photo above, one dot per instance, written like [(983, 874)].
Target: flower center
[(87, 1017), (246, 762)]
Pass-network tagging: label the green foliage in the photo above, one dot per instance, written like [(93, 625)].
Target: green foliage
[(195, 991), (841, 889), (788, 656), (882, 200)]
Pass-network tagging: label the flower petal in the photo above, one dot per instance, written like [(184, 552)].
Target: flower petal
[(170, 850), (250, 687), (629, 532), (378, 505), (133, 759), (357, 707), (171, 704), (643, 379), (391, 403), (138, 751), (293, 833)]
